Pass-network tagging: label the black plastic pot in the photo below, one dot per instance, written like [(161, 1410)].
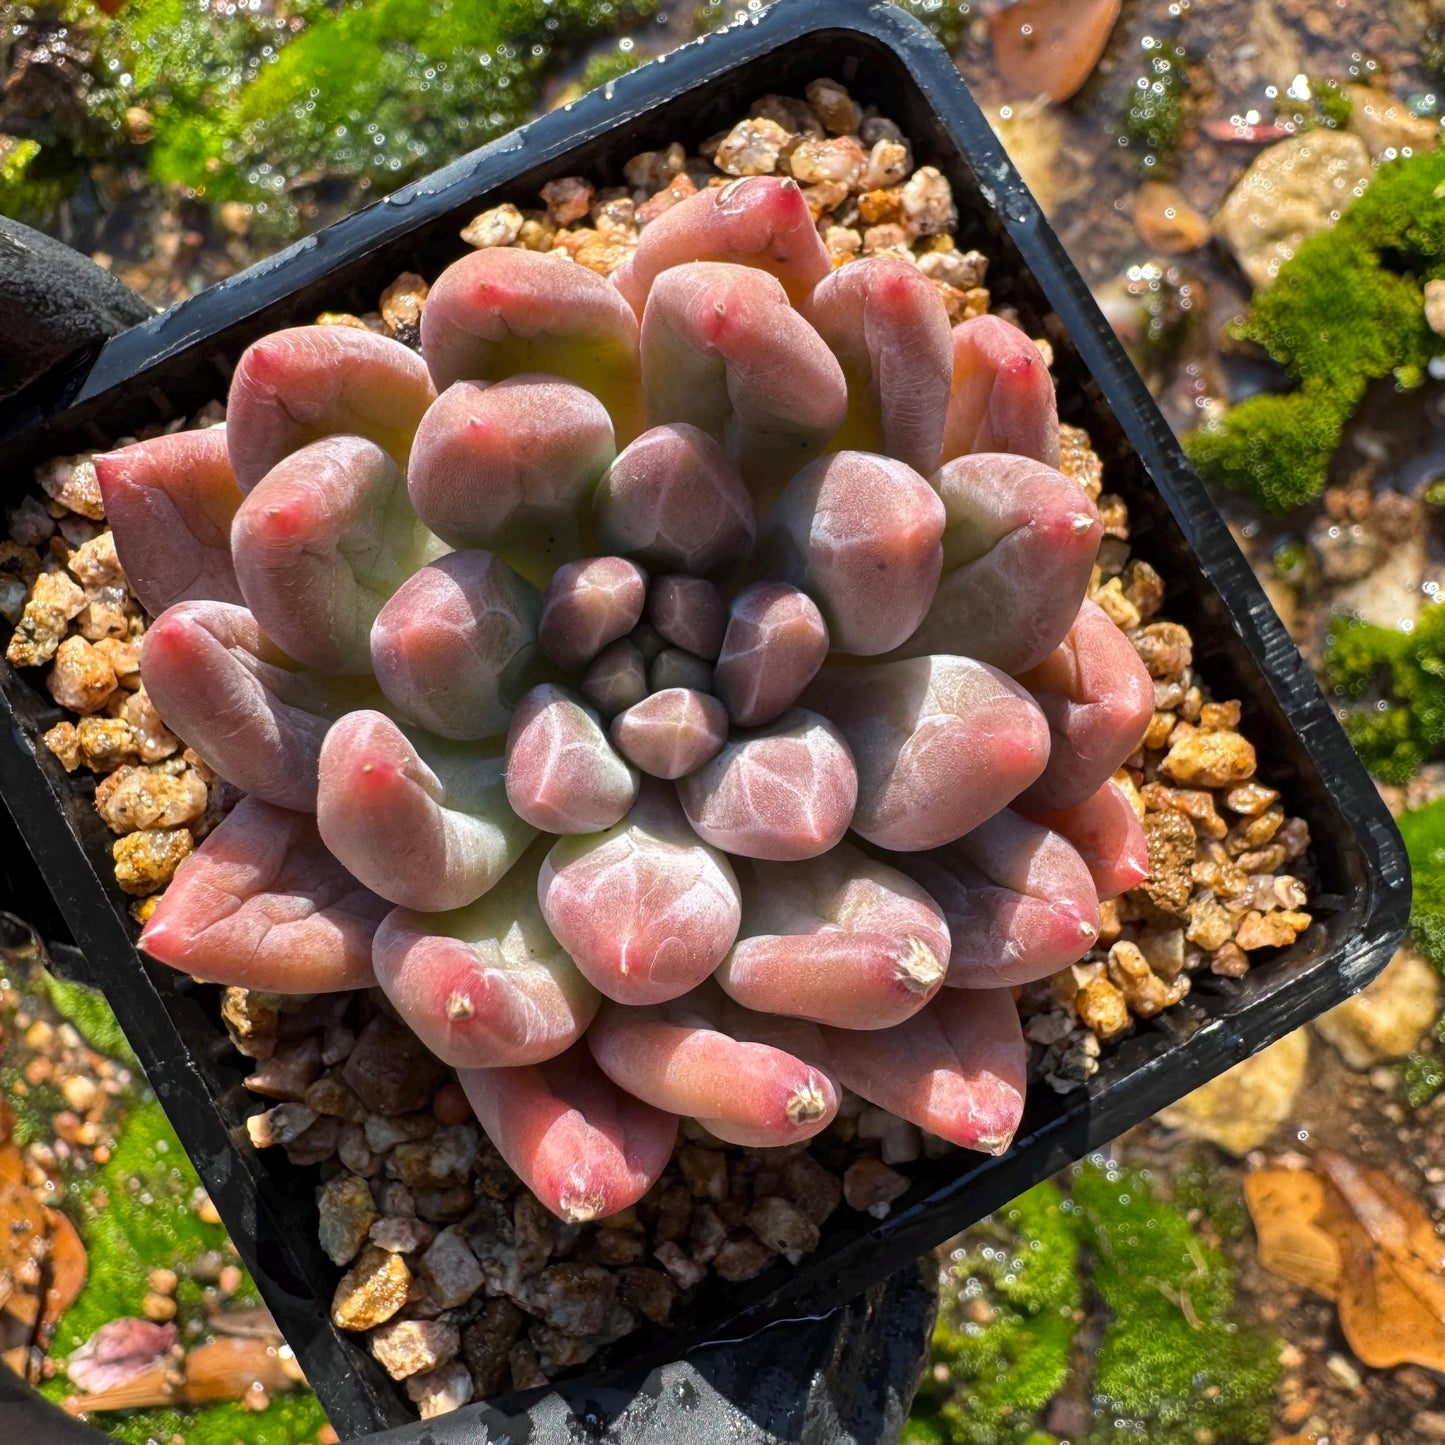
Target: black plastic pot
[(172, 364)]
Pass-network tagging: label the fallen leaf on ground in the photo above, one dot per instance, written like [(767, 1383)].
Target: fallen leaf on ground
[(151, 1388), (12, 1164), (1356, 1236), (1050, 47), (65, 1269), (1286, 1205), (23, 1235), (226, 1368)]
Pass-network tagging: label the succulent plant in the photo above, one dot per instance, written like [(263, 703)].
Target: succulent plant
[(675, 691)]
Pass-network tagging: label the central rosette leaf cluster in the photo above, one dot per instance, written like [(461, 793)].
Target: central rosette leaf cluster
[(676, 690)]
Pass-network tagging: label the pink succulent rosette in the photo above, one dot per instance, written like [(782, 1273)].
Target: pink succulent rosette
[(676, 691)]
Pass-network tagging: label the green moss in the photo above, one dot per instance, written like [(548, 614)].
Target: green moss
[(288, 1420), (945, 18), (1333, 104), (135, 1214), (1337, 318), (1173, 1367), (245, 101), (1154, 118), (1346, 310), (1405, 726), (1275, 449), (1006, 1326), (611, 65), (1211, 1192), (91, 1015), (1422, 1076), (31, 186), (1295, 565), (1423, 830), (1402, 215)]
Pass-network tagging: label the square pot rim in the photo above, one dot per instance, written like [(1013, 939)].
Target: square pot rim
[(131, 360)]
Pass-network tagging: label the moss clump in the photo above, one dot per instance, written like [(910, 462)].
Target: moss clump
[(91, 1015), (610, 65), (135, 1214), (1423, 830), (947, 19), (1422, 1075), (245, 101), (1154, 118), (1347, 309), (1173, 1368), (1406, 725), (1275, 449), (1334, 105), (1006, 1325)]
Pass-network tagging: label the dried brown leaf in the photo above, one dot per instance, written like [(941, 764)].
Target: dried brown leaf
[(145, 1391), (12, 1164), (65, 1271), (226, 1368), (1050, 47), (1392, 1282), (1286, 1206), (23, 1236)]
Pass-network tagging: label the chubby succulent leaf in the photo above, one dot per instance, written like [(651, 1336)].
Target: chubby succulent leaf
[(424, 827), (1109, 837), (688, 612), (562, 773), (840, 939), (588, 604), (861, 535), (703, 1056), (320, 543), (169, 502), (886, 323), (504, 311), (671, 733), (1019, 900), (958, 1068), (241, 703), (775, 642), (782, 792), (486, 986), (583, 1146), (673, 502), (646, 908), (1018, 547), (675, 667), (940, 743), (616, 678), (455, 647), (760, 221), (263, 904), (1003, 396), (723, 350), (294, 387), (508, 466), (1098, 697)]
